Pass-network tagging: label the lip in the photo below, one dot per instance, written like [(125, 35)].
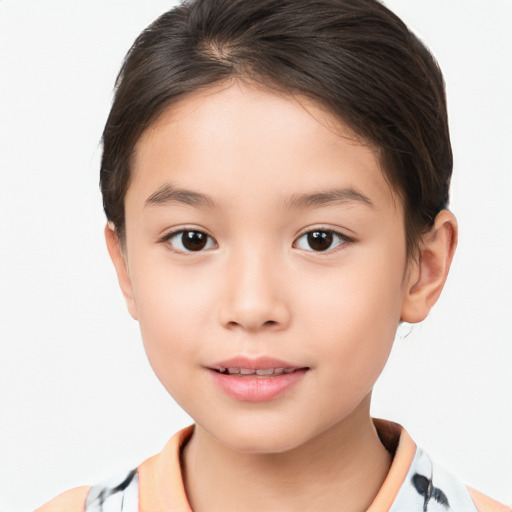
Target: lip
[(256, 388)]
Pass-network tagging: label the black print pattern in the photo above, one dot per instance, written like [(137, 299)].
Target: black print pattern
[(425, 488), (417, 494), (98, 496)]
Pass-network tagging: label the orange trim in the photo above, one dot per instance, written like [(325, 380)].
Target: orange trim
[(485, 504), (161, 481), (160, 478), (161, 486), (389, 431), (69, 501)]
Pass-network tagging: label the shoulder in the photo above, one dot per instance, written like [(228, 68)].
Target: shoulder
[(485, 504), (433, 487), (156, 484), (416, 482), (118, 493), (69, 501)]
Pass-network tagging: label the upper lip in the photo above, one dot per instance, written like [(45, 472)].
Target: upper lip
[(257, 363)]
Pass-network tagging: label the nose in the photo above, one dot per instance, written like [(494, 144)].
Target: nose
[(254, 294)]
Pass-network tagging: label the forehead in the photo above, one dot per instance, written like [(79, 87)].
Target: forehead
[(238, 139)]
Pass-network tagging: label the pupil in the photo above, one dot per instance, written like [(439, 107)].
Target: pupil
[(320, 240), (193, 240)]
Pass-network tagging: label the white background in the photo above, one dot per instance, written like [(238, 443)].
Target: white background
[(78, 400)]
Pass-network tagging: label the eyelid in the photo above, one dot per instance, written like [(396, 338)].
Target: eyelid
[(176, 231), (336, 232)]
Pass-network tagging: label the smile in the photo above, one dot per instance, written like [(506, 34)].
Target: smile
[(256, 379), (259, 372)]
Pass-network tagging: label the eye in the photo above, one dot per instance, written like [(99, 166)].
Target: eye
[(190, 240), (320, 240)]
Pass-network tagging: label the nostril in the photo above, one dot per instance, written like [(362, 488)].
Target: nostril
[(268, 322)]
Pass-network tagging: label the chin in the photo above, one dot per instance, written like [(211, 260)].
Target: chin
[(263, 442), (263, 437)]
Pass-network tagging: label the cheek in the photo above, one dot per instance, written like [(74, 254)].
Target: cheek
[(170, 295), (356, 313), (172, 308)]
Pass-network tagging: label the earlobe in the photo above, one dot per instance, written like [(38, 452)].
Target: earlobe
[(428, 273), (121, 266)]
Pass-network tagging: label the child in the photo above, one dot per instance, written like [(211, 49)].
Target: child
[(275, 177)]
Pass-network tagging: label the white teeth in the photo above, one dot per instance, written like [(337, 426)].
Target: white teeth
[(262, 372), (270, 371)]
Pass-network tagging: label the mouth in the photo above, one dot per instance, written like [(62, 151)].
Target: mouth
[(256, 380), (256, 372), (262, 366)]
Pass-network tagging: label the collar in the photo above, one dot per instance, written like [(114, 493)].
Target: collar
[(413, 483), (400, 444)]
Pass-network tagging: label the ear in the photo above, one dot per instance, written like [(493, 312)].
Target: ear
[(121, 265), (427, 274)]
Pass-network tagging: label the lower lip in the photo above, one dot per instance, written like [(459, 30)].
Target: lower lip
[(256, 389)]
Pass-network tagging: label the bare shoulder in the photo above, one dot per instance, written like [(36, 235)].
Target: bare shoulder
[(485, 504), (69, 501)]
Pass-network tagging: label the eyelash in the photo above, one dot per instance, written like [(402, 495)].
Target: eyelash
[(335, 235), (168, 237)]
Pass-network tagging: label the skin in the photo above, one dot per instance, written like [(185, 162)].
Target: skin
[(259, 289)]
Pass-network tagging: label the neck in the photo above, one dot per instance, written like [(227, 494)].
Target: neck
[(343, 467)]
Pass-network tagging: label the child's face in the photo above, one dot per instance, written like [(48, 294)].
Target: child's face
[(261, 171)]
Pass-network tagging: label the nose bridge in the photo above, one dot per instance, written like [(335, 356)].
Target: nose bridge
[(254, 296)]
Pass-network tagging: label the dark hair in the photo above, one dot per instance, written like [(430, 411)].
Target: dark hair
[(355, 57)]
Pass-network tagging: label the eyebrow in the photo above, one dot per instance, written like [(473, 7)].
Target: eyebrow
[(169, 194), (329, 197)]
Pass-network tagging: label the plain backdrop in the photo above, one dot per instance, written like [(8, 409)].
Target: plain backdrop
[(78, 400)]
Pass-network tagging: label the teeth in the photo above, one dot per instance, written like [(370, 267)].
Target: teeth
[(260, 372), (270, 371)]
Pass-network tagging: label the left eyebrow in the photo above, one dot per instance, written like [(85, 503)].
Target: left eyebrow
[(329, 197), (167, 194)]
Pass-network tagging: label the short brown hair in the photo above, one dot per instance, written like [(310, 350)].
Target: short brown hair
[(355, 57)]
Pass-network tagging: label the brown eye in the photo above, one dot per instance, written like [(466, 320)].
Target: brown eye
[(193, 240), (190, 241), (320, 240)]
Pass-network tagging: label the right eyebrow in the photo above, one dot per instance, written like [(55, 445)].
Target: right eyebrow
[(167, 194)]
